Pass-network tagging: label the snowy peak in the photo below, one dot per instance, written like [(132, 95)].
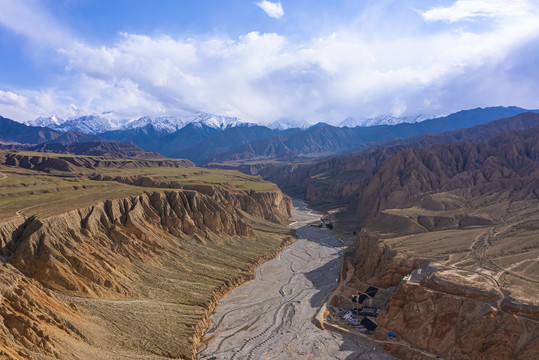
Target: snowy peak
[(96, 124), (217, 121), (89, 124), (351, 122), (172, 124), (383, 120), (286, 123), (45, 121), (165, 124)]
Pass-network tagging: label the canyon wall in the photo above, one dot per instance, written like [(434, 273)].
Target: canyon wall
[(449, 318)]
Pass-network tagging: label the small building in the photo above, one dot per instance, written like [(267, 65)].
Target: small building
[(369, 324)]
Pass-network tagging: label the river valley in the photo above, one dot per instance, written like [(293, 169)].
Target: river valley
[(270, 317)]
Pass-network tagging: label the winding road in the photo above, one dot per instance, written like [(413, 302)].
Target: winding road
[(270, 317)]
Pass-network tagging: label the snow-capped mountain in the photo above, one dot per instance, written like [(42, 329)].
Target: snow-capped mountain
[(217, 121), (166, 124), (90, 124), (286, 123), (95, 124), (382, 120), (45, 121)]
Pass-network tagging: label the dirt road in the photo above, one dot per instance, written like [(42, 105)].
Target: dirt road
[(270, 317)]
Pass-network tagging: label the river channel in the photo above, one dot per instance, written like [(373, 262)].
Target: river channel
[(270, 317)]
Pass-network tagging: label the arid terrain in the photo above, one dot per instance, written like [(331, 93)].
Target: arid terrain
[(120, 258), (272, 316), (116, 252), (445, 230), (459, 222)]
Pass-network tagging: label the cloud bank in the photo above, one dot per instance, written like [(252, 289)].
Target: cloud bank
[(261, 77)]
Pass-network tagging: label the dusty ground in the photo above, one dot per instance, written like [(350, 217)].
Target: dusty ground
[(270, 317)]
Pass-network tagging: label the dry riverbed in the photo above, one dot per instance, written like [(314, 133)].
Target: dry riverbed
[(271, 316)]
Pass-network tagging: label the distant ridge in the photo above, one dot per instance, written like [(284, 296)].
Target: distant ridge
[(207, 138), (324, 140), (383, 120), (111, 149), (12, 131)]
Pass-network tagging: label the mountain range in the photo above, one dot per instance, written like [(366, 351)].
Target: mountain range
[(205, 138), (95, 124), (383, 120)]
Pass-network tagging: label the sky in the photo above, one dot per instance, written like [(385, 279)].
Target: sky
[(266, 60)]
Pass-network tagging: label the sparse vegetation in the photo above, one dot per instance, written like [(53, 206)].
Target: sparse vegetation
[(52, 191)]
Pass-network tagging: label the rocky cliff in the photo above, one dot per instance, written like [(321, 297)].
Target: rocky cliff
[(457, 327), (453, 314), (457, 219), (377, 264)]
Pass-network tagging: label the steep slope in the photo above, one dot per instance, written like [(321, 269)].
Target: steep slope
[(75, 136), (187, 137), (461, 221), (317, 141), (509, 162), (339, 179), (145, 137)]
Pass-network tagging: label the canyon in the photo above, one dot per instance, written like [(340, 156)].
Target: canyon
[(112, 251), (132, 265), (444, 224)]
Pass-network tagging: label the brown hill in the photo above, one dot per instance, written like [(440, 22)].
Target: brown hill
[(508, 163), (67, 162)]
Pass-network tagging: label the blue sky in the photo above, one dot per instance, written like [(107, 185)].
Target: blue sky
[(264, 60)]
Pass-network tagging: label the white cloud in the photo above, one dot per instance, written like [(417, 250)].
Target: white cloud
[(474, 9), (30, 19), (274, 10), (11, 99), (264, 76)]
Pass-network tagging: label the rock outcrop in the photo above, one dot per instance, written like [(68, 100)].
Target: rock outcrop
[(377, 264), (458, 327)]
